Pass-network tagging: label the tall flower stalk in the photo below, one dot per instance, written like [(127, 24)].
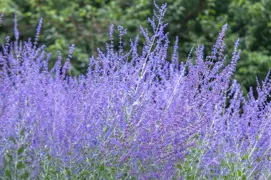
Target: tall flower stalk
[(135, 114)]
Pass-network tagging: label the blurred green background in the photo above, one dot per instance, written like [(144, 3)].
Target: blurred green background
[(86, 24)]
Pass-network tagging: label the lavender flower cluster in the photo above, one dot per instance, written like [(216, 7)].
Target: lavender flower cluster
[(135, 114)]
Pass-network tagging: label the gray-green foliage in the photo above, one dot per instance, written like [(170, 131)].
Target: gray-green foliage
[(18, 158)]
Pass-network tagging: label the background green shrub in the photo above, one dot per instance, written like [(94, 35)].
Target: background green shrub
[(85, 23)]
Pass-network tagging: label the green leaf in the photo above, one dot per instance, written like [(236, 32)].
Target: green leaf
[(25, 175), (245, 157), (8, 173), (68, 172), (21, 150), (8, 157), (102, 167), (20, 165), (239, 173), (48, 156), (22, 132), (179, 166), (244, 177)]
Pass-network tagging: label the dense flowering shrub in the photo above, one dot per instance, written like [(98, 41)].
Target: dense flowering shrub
[(134, 115)]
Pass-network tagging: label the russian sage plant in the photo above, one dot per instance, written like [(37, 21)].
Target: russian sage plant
[(136, 114)]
